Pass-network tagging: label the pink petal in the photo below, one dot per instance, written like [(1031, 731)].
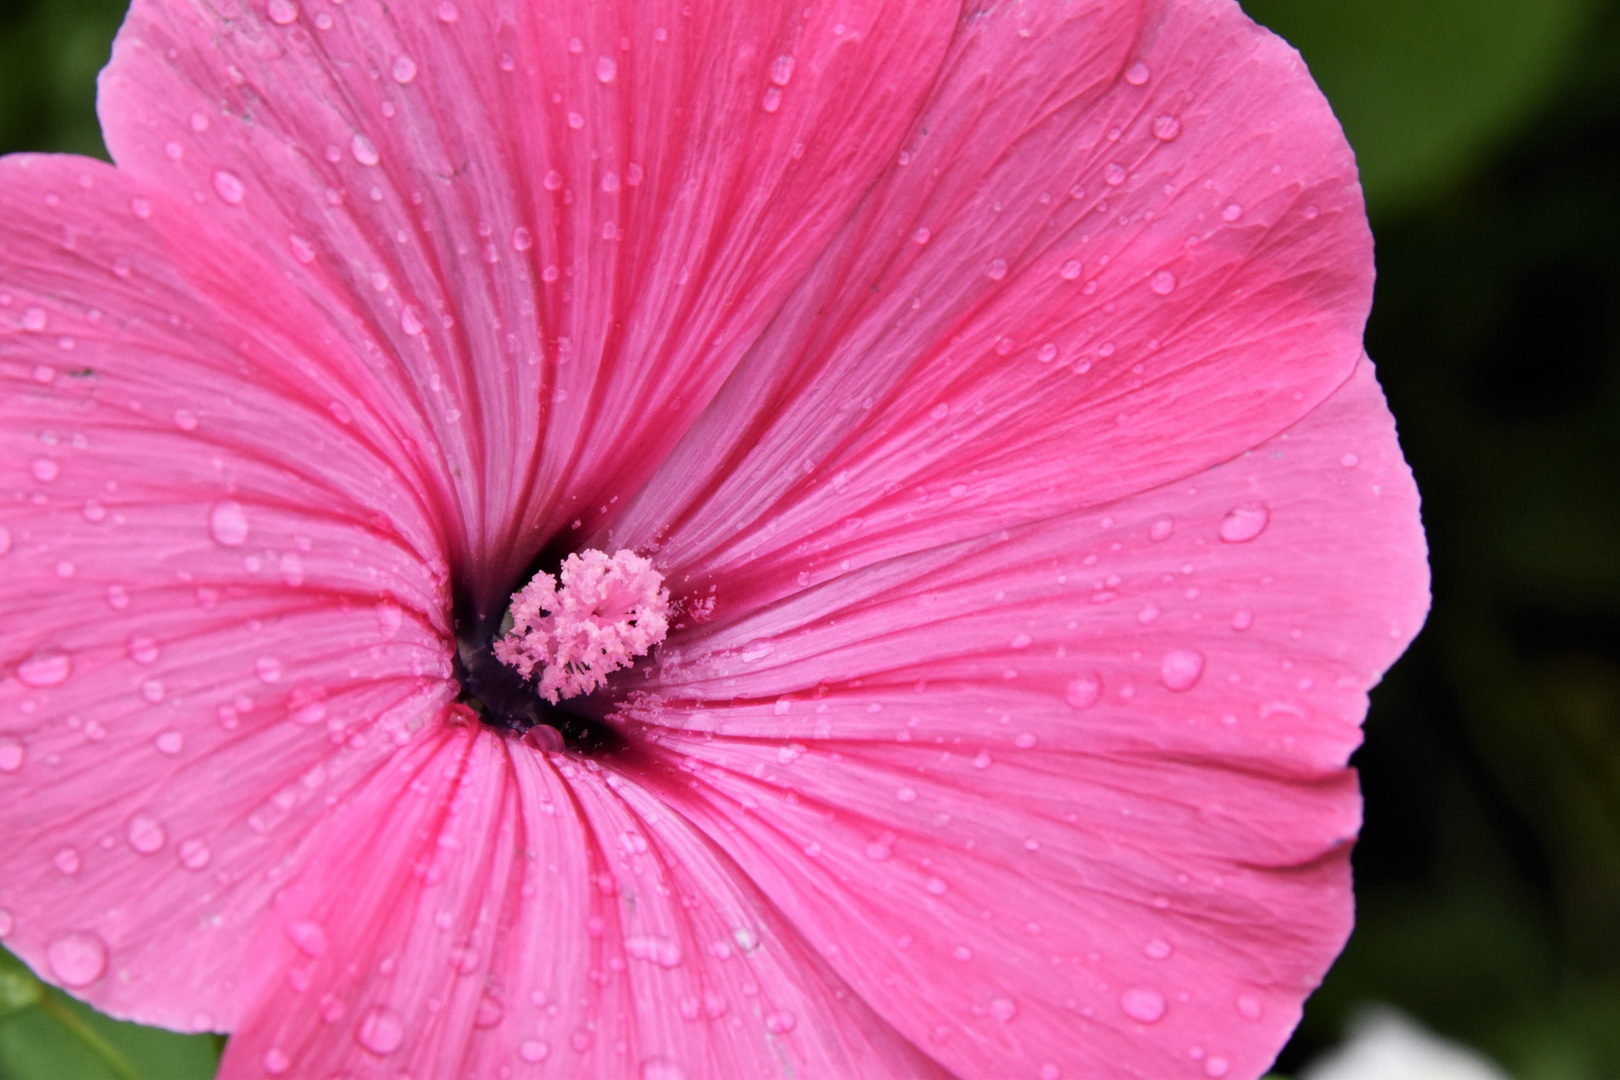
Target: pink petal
[(230, 604), (522, 911), (1073, 794), (1037, 355), (607, 202)]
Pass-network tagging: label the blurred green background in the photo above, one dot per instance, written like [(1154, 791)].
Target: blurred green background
[(1488, 874)]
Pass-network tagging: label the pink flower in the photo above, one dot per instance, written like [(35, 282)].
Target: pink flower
[(985, 389)]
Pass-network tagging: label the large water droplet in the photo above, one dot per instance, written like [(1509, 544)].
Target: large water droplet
[(1114, 174), (1181, 669), (194, 854), (145, 834), (48, 667), (1084, 690), (1232, 212), (1157, 949), (44, 469), (363, 149), (782, 69), (77, 958), (281, 12), (1166, 128), (606, 69), (404, 69), (1245, 522), (34, 319), (410, 320), (381, 1031), (228, 186), (1142, 1004), (1137, 74), (228, 524), (1162, 282), (12, 753)]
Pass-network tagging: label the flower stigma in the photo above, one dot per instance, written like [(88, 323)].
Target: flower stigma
[(608, 610)]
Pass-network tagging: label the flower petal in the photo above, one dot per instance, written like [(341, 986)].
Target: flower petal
[(1145, 253), (222, 600), (1074, 794), (552, 230), (518, 910)]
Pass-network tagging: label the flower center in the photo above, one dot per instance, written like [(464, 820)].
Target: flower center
[(608, 610), (563, 635)]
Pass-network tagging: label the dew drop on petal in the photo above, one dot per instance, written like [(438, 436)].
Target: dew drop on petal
[(1161, 529), (48, 667), (6, 923), (1166, 128), (1232, 212), (169, 742), (533, 1050), (404, 69), (411, 320), (1004, 1009), (1114, 174), (1217, 1067), (228, 524), (1084, 690), (997, 269), (276, 1061), (194, 854), (145, 834), (780, 1022), (1181, 669), (281, 12), (521, 239), (77, 958), (228, 186), (308, 936), (1157, 949), (44, 469), (1248, 1006), (1163, 282), (381, 1031), (5, 541), (782, 69), (1142, 1004), (1350, 461), (1137, 74), (12, 753), (142, 649), (1070, 270), (1245, 522), (606, 69), (364, 150)]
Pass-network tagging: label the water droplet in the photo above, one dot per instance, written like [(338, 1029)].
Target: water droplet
[(1248, 1006), (308, 936), (363, 149), (5, 541), (1161, 529), (1242, 619), (1004, 1009), (1084, 690), (606, 69), (1181, 669), (34, 319), (44, 469), (1114, 174), (782, 69), (1157, 949), (49, 667), (145, 834), (117, 597), (142, 649), (1232, 212), (533, 1050), (276, 1061), (1050, 1071), (228, 524), (1166, 128), (228, 186), (1245, 522), (67, 861), (77, 958), (1350, 461), (1163, 282), (267, 668), (411, 320), (1217, 1067), (665, 952), (997, 269), (281, 12), (521, 240), (1137, 74), (185, 420), (6, 923), (302, 249), (194, 854), (170, 743), (781, 1022), (12, 753), (381, 1031), (404, 69), (659, 1069), (1070, 270), (1142, 1004)]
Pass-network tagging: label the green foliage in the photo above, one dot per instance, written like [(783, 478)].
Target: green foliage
[(46, 1035), (1425, 87)]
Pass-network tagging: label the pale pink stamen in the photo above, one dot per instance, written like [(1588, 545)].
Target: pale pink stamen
[(609, 610)]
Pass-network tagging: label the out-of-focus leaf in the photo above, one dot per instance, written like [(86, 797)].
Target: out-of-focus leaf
[(1424, 87), (46, 1035)]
